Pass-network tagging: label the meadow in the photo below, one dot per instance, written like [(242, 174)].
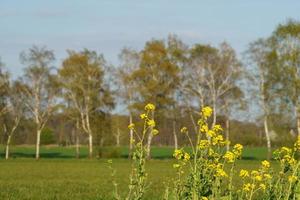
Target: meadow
[(58, 175)]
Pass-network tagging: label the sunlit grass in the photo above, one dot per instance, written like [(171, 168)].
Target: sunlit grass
[(80, 179)]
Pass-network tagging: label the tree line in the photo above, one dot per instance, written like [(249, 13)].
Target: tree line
[(73, 103)]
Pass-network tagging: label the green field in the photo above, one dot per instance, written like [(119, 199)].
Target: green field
[(59, 176), (78, 179), (55, 152)]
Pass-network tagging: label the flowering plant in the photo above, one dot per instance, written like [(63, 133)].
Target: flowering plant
[(138, 175)]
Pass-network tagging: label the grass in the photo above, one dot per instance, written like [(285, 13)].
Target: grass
[(59, 176), (54, 152), (79, 179)]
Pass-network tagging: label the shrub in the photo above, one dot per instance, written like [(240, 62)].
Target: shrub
[(47, 136)]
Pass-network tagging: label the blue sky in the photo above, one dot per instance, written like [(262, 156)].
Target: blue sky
[(109, 25)]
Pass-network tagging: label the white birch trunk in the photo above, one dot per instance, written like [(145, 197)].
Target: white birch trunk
[(118, 137), (214, 112), (298, 120), (131, 137), (267, 137), (175, 136), (38, 141), (77, 146), (149, 141), (150, 136), (227, 132), (90, 145), (7, 147)]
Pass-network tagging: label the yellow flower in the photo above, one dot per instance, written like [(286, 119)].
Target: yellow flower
[(258, 178), (206, 111), (203, 144), (248, 186), (151, 123), (143, 116), (292, 161), (211, 133), (211, 152), (265, 164), (292, 178), (131, 126), (217, 128), (186, 157), (297, 144), (204, 128), (286, 150), (183, 130), (220, 173), (155, 131), (204, 198), (244, 173), (254, 173), (150, 107), (218, 140), (267, 176), (262, 186), (229, 157), (178, 154), (237, 149)]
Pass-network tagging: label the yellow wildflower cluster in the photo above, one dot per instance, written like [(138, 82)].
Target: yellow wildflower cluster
[(237, 150), (131, 126), (297, 144), (232, 156), (203, 127), (292, 178), (229, 157), (206, 112), (248, 187), (217, 128), (244, 173), (265, 164), (220, 173), (151, 122), (284, 155), (203, 144), (143, 116), (211, 133), (258, 180), (149, 107), (155, 132), (262, 186), (184, 130), (179, 154), (218, 140)]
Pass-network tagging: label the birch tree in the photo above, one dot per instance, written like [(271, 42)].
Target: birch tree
[(4, 85), (15, 111), (82, 81), (230, 102), (213, 74), (130, 61), (157, 79), (38, 91), (258, 53), (178, 56), (285, 44)]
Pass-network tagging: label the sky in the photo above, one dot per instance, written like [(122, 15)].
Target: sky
[(107, 26)]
